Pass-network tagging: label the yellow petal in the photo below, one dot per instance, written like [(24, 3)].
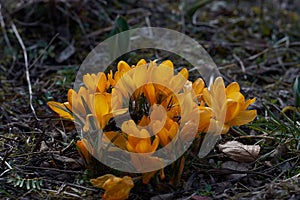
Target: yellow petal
[(149, 92), (110, 78), (101, 108), (99, 181), (236, 96), (123, 66), (117, 188), (68, 106), (219, 91), (116, 138), (90, 123), (60, 109), (143, 146), (128, 83), (167, 63), (232, 87), (184, 72), (116, 100), (198, 86), (207, 96), (144, 121), (155, 144), (173, 130), (163, 136), (77, 104), (140, 75), (162, 74), (82, 148), (90, 82), (177, 83), (204, 120), (233, 108), (247, 103), (130, 146), (101, 82), (158, 113), (243, 117), (129, 127), (71, 93), (141, 62)]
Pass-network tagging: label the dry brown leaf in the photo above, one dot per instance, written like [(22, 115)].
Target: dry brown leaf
[(116, 188), (240, 152)]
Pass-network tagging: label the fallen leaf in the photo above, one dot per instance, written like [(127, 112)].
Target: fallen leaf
[(240, 152), (235, 166), (116, 188)]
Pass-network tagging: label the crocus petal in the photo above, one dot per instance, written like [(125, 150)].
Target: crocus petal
[(232, 87), (115, 188), (143, 146), (219, 94), (243, 117), (140, 75), (110, 78), (82, 148), (177, 83), (236, 96), (130, 147), (101, 82), (123, 66), (207, 97), (198, 86), (99, 181), (90, 81), (144, 121), (167, 63), (129, 127), (162, 74), (128, 83), (155, 144), (149, 92), (61, 110), (233, 108), (173, 130), (184, 72), (101, 108), (163, 136), (141, 62), (247, 103), (116, 138)]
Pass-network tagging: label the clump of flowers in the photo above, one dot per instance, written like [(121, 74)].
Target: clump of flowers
[(160, 104)]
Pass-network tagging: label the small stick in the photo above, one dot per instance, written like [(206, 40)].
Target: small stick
[(240, 62), (13, 26)]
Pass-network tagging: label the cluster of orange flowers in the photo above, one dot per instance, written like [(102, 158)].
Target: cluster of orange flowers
[(159, 103)]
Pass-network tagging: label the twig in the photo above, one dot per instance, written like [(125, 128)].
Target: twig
[(240, 62), (13, 26), (292, 178), (6, 163)]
